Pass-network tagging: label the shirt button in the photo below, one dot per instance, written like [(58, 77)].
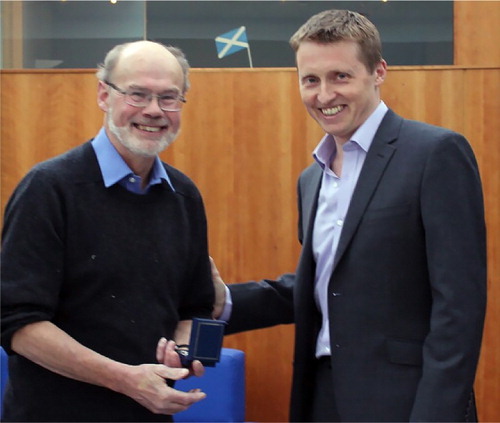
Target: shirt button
[(131, 179), (340, 222)]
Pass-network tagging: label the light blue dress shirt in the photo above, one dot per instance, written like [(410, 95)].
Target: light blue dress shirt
[(333, 202), (115, 170)]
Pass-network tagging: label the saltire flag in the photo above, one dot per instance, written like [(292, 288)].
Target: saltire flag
[(231, 42)]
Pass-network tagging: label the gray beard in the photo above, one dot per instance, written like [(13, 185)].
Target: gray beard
[(134, 145)]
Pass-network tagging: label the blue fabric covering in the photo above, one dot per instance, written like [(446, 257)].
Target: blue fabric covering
[(224, 385), (4, 375)]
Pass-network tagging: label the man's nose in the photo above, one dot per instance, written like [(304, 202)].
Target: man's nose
[(326, 93), (153, 108)]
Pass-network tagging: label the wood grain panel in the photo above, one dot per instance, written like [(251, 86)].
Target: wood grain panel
[(50, 112), (432, 96), (245, 138), (203, 152), (11, 13), (476, 33)]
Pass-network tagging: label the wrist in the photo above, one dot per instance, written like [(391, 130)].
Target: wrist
[(118, 376)]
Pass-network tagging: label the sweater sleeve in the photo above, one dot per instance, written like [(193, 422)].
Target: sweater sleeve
[(32, 254)]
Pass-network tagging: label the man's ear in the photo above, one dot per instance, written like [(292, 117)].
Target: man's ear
[(380, 72), (102, 96)]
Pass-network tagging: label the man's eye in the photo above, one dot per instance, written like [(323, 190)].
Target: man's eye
[(137, 95), (168, 97), (310, 80)]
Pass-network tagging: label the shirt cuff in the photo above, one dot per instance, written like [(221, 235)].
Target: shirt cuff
[(228, 307)]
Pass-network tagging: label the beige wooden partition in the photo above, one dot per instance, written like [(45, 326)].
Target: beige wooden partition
[(245, 138)]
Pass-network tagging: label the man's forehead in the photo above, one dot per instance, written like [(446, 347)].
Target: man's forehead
[(147, 65), (148, 58), (337, 57)]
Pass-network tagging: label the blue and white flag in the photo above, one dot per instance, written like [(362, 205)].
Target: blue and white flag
[(231, 42)]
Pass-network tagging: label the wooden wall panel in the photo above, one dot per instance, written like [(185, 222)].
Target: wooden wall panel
[(245, 138), (433, 96), (49, 112), (476, 33), (11, 14)]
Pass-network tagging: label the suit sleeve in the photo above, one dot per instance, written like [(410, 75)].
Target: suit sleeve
[(453, 218), (261, 304)]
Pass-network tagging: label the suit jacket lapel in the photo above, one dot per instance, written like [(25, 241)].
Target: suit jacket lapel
[(377, 158)]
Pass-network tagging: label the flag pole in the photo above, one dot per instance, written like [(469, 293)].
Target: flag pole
[(249, 56)]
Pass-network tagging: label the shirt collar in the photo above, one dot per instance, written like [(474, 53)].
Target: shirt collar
[(325, 150), (114, 168)]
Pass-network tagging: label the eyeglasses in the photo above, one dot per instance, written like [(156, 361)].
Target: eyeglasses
[(168, 102)]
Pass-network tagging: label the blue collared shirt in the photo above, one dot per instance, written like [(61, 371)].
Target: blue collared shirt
[(334, 199), (114, 169)]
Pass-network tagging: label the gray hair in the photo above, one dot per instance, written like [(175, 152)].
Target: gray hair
[(104, 70), (332, 26)]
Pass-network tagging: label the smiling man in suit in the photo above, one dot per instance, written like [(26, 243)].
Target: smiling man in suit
[(389, 294)]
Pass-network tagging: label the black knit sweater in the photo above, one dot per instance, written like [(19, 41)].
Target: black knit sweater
[(113, 269)]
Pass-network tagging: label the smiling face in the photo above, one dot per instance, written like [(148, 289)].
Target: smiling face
[(336, 87), (142, 131)]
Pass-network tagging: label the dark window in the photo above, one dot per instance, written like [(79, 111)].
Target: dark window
[(77, 34)]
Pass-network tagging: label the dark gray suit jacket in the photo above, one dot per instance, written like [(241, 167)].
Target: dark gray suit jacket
[(407, 295)]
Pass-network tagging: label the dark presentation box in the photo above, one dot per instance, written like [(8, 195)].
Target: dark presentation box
[(205, 342)]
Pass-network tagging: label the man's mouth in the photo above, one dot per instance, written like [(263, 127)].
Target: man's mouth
[(149, 128), (332, 111)]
